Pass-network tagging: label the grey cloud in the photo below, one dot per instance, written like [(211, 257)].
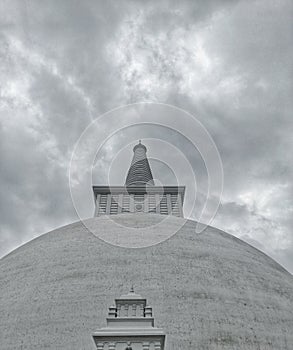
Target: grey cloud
[(226, 62)]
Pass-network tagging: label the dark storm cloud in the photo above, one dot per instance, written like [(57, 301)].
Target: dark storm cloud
[(64, 63)]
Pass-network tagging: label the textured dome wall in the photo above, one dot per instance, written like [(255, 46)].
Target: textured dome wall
[(208, 291)]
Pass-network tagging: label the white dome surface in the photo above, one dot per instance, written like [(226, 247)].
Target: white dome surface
[(208, 291)]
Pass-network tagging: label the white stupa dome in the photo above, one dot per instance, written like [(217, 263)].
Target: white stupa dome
[(208, 290)]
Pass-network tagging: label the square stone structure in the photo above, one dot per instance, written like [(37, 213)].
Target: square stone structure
[(167, 200), (139, 193), (130, 326)]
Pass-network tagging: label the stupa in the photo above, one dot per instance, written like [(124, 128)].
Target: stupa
[(208, 291)]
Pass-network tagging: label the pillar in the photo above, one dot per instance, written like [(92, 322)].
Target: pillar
[(119, 310), (126, 308), (100, 346), (120, 203), (157, 345), (97, 209), (148, 311), (141, 310), (112, 312), (134, 310), (146, 203), (179, 201), (157, 197), (169, 204), (108, 206), (131, 203), (112, 346)]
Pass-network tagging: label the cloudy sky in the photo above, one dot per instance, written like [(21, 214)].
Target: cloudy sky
[(65, 63)]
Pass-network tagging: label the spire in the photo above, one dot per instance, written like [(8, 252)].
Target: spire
[(139, 172), (135, 196)]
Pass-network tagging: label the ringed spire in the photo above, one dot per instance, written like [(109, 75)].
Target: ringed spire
[(139, 173), (139, 194)]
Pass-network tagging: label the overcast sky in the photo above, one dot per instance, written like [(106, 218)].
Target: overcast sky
[(229, 63)]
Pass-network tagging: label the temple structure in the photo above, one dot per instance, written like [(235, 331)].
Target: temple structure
[(130, 326), (139, 194), (209, 290)]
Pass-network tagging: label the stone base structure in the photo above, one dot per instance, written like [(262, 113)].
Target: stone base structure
[(130, 326)]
